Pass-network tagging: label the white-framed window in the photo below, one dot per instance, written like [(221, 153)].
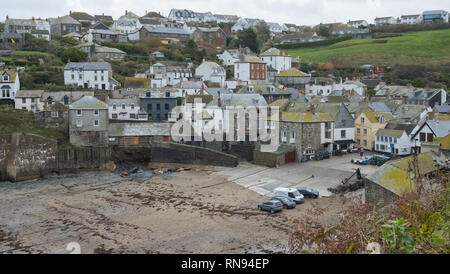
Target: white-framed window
[(114, 107), (283, 136), (54, 114), (79, 113), (96, 112), (96, 123), (292, 139)]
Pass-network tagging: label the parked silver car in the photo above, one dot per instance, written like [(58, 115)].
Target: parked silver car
[(272, 206)]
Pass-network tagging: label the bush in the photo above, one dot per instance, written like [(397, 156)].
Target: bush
[(326, 42)]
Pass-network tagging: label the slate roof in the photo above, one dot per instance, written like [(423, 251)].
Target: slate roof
[(330, 108), (88, 102), (379, 106), (88, 66), (249, 59), (395, 175), (293, 72), (440, 128), (408, 112), (206, 98), (139, 129), (67, 19), (82, 16), (132, 82), (304, 117), (125, 101), (408, 128), (103, 17), (29, 93), (372, 116), (154, 14), (59, 95), (244, 100), (190, 84), (159, 29), (272, 52), (442, 108), (390, 132), (12, 75), (215, 91)]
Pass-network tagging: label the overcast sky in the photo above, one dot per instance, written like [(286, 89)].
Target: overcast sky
[(301, 12)]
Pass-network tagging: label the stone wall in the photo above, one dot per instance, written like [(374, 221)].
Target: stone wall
[(376, 194), (242, 151), (29, 156), (186, 154), (268, 158)]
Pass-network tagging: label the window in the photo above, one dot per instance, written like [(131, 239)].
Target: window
[(292, 137), (365, 131), (78, 112), (73, 76), (166, 106), (66, 100), (358, 141), (149, 107), (32, 100), (430, 137), (390, 139), (358, 130), (114, 116), (132, 116), (132, 106), (96, 123), (54, 114), (114, 107), (422, 137), (24, 100), (283, 136), (158, 106), (342, 133), (123, 106), (365, 143), (95, 112), (395, 140), (362, 120)]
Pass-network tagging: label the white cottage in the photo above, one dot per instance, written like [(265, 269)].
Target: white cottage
[(9, 84), (211, 72)]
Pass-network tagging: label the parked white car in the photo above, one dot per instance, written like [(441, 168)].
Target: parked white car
[(291, 193)]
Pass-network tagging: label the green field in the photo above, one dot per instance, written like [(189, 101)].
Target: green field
[(428, 46)]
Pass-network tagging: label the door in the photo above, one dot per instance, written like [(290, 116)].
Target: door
[(135, 140), (289, 157)]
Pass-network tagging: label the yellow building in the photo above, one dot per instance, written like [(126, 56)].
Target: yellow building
[(366, 126)]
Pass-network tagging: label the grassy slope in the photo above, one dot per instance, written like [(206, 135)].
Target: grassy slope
[(425, 44), (17, 120)]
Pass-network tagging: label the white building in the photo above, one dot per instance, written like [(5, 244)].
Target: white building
[(158, 75), (435, 16), (92, 75), (379, 21), (211, 72), (322, 86), (127, 23), (190, 87), (250, 68), (357, 23), (276, 59), (411, 19), (393, 141), (429, 131), (124, 109), (357, 86), (9, 84), (29, 100), (244, 23), (275, 27), (183, 15), (229, 57)]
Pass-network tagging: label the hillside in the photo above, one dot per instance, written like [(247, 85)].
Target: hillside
[(425, 47)]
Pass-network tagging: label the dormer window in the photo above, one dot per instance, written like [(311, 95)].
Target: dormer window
[(6, 78)]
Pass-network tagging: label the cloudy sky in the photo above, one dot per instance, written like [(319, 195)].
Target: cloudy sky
[(301, 12)]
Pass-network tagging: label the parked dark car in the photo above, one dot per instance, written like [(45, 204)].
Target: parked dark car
[(272, 206), (287, 203), (308, 192)]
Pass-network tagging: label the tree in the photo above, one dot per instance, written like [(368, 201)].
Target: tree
[(2, 27), (262, 33), (418, 83), (74, 54), (248, 38), (324, 31)]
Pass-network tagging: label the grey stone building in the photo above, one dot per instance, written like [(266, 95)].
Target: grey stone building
[(88, 122), (64, 25), (54, 116), (158, 109)]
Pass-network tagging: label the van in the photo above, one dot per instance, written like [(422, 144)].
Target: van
[(291, 193)]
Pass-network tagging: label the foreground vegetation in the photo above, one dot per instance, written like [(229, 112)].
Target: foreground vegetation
[(417, 223)]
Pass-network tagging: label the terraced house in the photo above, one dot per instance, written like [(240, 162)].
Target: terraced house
[(64, 25), (367, 125), (307, 132), (93, 75), (39, 28), (9, 85), (159, 32), (88, 122)]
